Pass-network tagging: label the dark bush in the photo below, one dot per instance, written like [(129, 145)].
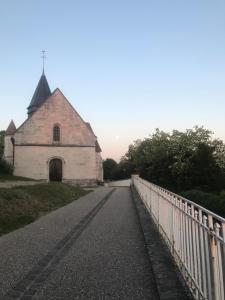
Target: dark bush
[(213, 202), (110, 167), (5, 168)]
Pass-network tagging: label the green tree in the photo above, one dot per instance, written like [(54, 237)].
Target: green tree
[(180, 160), (5, 168), (110, 168), (124, 169)]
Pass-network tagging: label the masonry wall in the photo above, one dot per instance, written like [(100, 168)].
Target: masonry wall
[(56, 110), (8, 149), (79, 163), (99, 167)]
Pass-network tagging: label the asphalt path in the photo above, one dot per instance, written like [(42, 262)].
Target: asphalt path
[(92, 248)]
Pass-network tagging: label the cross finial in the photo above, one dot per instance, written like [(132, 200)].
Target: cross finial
[(43, 59)]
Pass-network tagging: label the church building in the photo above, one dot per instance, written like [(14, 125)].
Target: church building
[(54, 143)]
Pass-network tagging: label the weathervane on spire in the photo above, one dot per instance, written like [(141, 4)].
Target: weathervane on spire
[(43, 59)]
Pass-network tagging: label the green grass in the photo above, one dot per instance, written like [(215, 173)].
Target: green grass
[(9, 177), (22, 205)]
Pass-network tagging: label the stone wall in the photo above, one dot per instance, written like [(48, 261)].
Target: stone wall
[(99, 167), (79, 163), (55, 110), (8, 149)]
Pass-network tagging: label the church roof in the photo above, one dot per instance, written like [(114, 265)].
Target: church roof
[(11, 129), (41, 93), (89, 126), (97, 147)]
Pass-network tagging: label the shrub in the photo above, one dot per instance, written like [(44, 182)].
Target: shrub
[(213, 202), (5, 168)]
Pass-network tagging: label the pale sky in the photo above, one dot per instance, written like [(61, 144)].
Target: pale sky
[(126, 66)]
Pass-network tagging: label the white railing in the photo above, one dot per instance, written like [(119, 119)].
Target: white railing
[(194, 235)]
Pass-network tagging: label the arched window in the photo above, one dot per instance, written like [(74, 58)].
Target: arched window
[(56, 133)]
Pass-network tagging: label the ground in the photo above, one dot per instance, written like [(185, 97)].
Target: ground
[(92, 248)]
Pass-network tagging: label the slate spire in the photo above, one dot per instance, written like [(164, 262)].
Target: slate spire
[(41, 93)]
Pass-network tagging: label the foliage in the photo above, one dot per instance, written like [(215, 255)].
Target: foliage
[(213, 202), (5, 168), (110, 169), (22, 205), (116, 171), (125, 168), (180, 160)]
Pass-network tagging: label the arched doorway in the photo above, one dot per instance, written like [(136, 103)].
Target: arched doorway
[(55, 170)]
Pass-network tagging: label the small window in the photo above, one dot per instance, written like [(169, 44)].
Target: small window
[(56, 133)]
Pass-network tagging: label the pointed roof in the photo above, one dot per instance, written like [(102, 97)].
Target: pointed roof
[(41, 93), (97, 147), (89, 127), (11, 128)]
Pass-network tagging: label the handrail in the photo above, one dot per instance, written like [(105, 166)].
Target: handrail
[(189, 201), (194, 235)]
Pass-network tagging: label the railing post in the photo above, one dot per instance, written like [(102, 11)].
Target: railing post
[(213, 259), (172, 227), (158, 209)]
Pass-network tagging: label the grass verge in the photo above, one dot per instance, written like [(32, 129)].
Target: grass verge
[(22, 205), (9, 177)]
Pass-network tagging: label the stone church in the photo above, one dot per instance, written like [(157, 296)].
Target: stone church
[(54, 143)]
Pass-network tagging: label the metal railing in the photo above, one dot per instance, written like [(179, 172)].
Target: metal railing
[(194, 235)]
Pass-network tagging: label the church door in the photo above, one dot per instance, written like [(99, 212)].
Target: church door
[(55, 170)]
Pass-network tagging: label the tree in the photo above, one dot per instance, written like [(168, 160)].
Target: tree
[(5, 168), (180, 160), (124, 169), (110, 168)]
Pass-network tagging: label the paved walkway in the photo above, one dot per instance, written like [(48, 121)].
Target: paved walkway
[(92, 248), (120, 183)]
